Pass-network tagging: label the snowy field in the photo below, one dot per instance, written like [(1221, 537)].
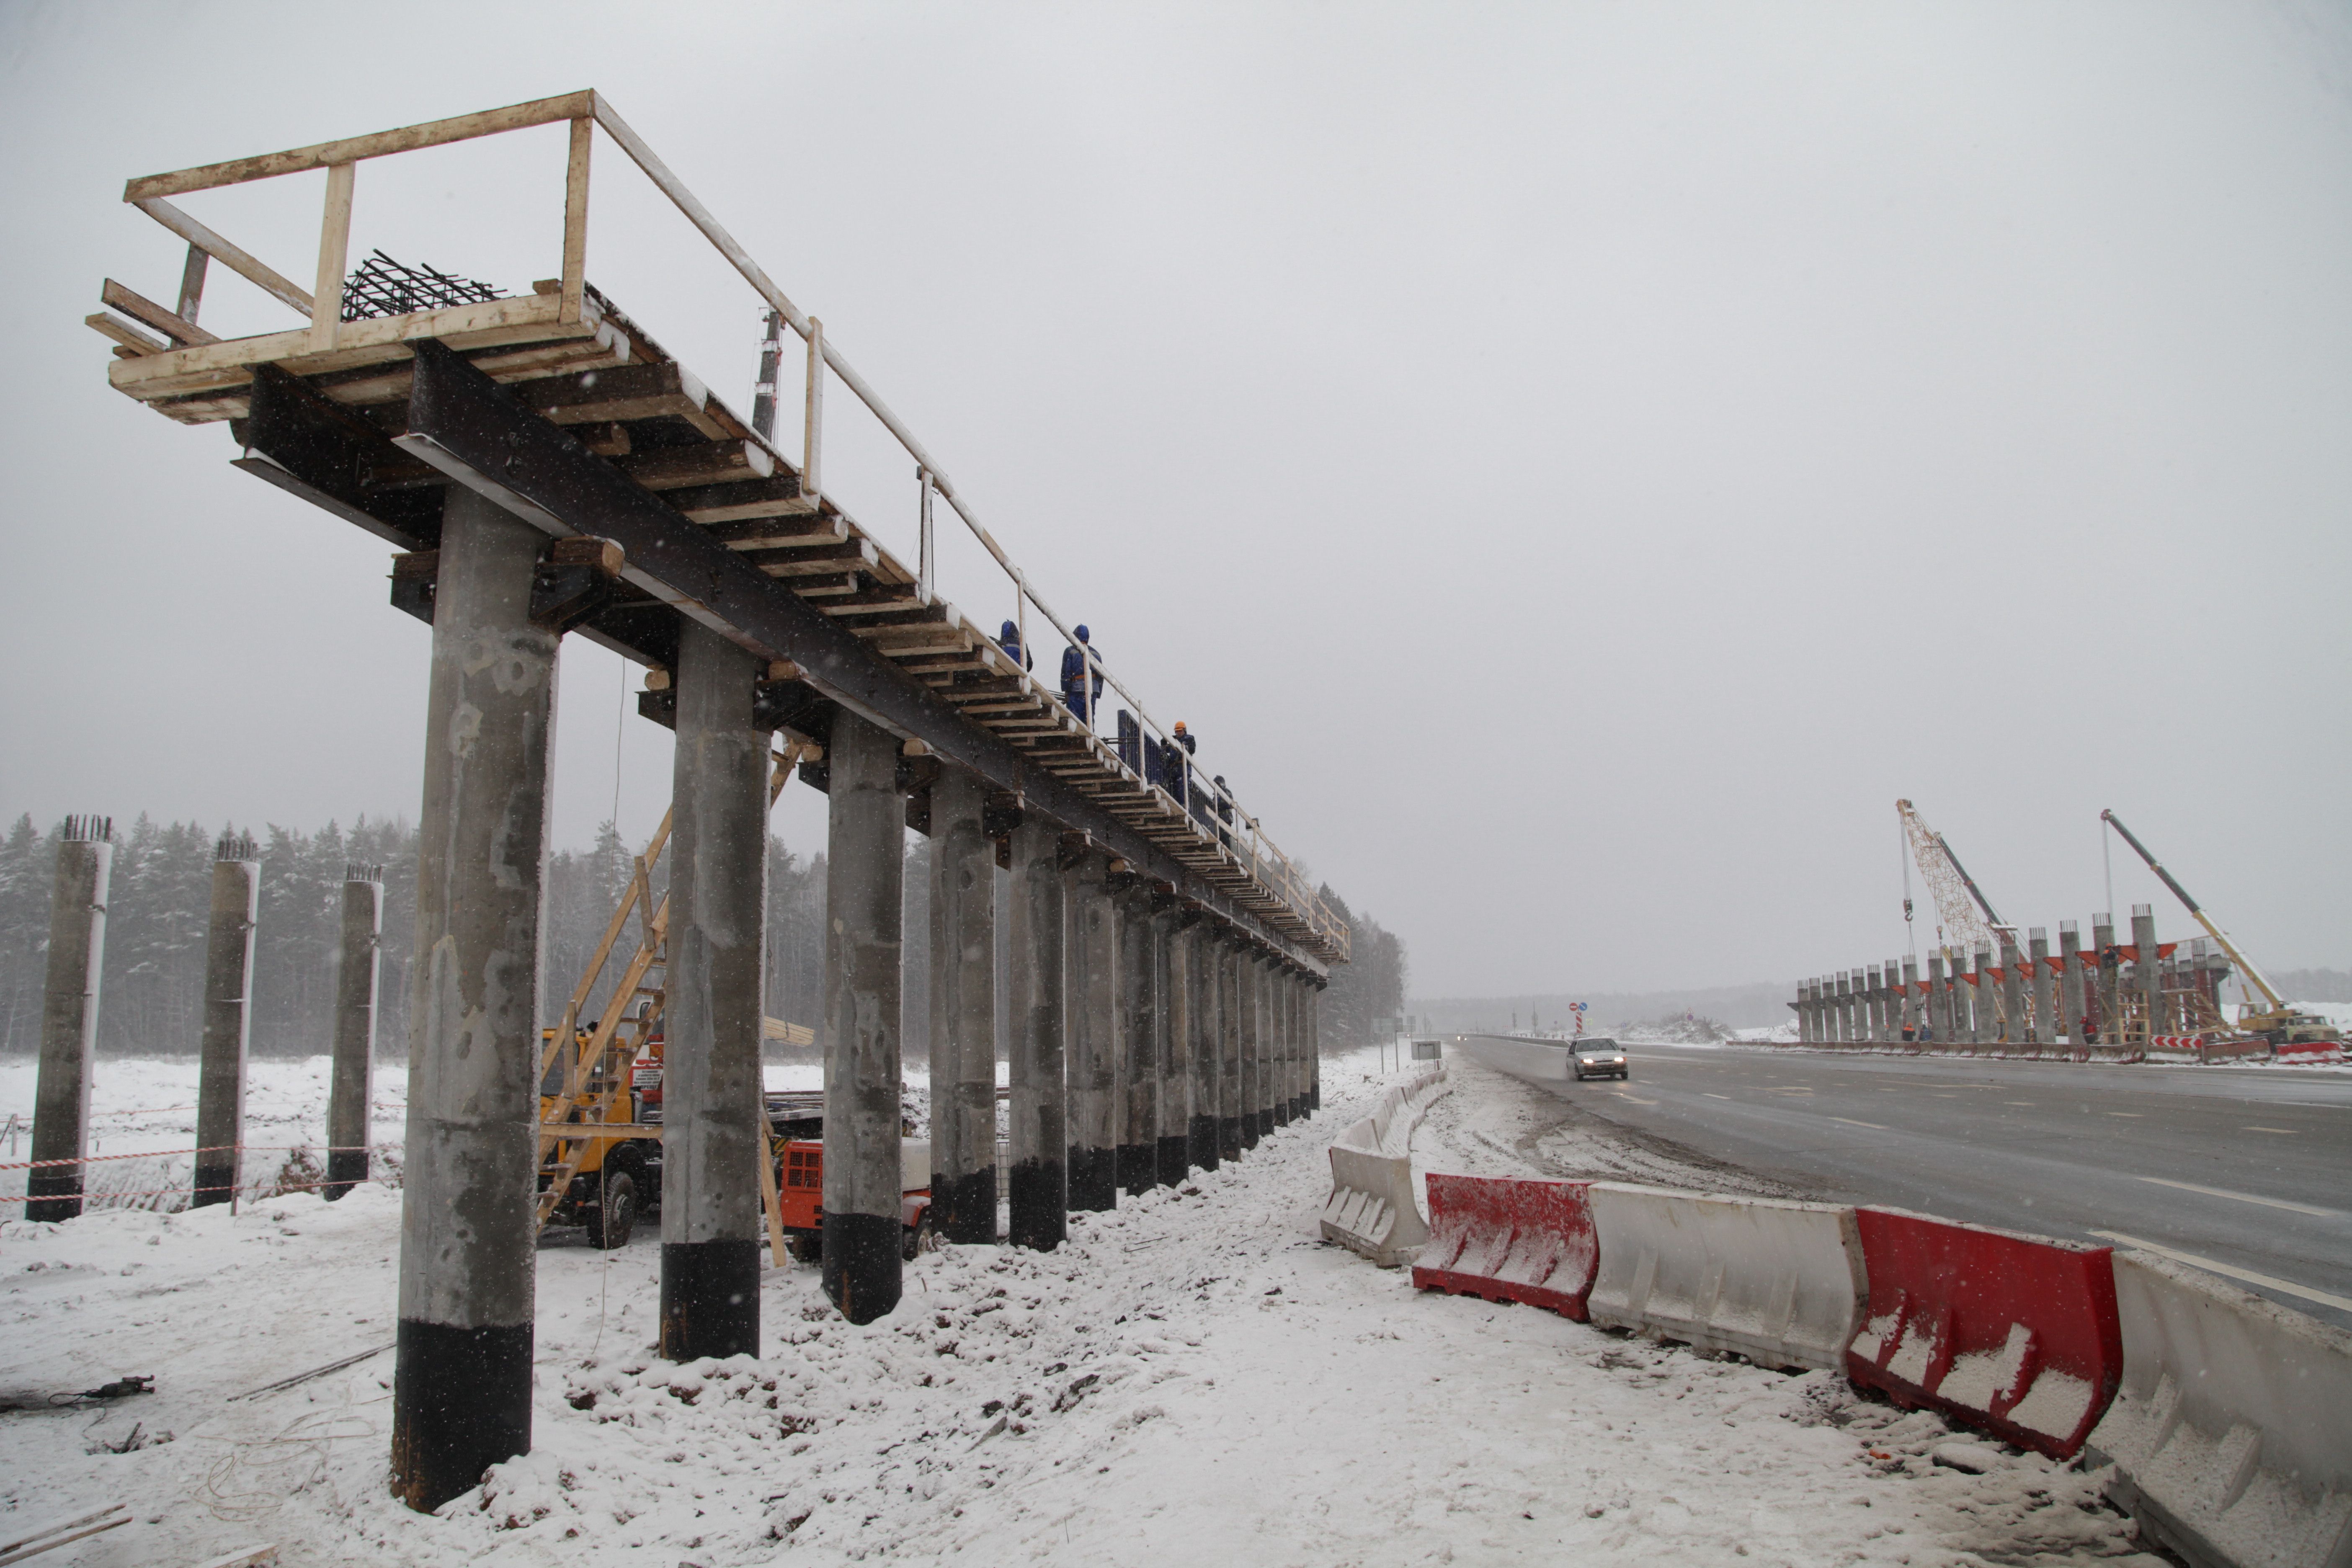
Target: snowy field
[(1195, 1377)]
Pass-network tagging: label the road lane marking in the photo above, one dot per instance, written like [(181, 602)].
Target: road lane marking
[(2248, 1274), (2288, 1131), (2243, 1197), (1850, 1122), (1728, 1097), (1629, 1099), (2027, 1103), (2133, 1114)]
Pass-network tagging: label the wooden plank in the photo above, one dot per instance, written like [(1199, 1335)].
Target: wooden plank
[(192, 284), (847, 556), (146, 312), (357, 342), (123, 332), (228, 254), (334, 250), (351, 149), (677, 467), (575, 216)]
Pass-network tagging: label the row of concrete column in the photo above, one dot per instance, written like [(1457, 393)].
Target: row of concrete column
[(2036, 997), (1142, 1042), (70, 1007)]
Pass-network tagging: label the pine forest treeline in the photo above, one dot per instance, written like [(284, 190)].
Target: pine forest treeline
[(151, 1002)]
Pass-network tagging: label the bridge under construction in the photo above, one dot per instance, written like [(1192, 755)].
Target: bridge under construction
[(542, 466)]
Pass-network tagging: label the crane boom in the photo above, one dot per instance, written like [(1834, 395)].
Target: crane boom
[(1965, 913), (2246, 967)]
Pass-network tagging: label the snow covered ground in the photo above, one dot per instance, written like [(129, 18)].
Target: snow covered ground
[(1195, 1377)]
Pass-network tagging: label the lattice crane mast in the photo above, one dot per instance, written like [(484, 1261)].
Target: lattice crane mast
[(1964, 917)]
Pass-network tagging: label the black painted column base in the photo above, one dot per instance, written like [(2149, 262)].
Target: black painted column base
[(1314, 1095), (1201, 1140), (963, 1208), (346, 1168), (1266, 1122), (1094, 1180), (1249, 1129), (460, 1403), (1282, 1113), (1229, 1137), (1136, 1166), (1038, 1198), (861, 1265), (1298, 1108), (53, 1194), (216, 1184), (1172, 1164), (711, 1298)]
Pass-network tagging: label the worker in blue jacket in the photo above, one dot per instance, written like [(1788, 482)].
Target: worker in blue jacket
[(1009, 639), (1078, 660)]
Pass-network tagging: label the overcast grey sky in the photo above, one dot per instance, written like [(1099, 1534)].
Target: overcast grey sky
[(1574, 466)]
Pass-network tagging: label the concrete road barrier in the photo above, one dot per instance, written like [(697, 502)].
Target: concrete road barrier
[(2016, 1335), (1535, 1060), (1780, 1283), (2231, 1434), (1510, 1240), (1371, 1209)]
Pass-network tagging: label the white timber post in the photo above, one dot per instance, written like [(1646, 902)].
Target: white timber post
[(335, 251)]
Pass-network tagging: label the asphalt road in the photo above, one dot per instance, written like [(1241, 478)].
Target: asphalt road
[(2244, 1170)]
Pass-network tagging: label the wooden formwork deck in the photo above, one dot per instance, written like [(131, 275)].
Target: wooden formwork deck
[(334, 424)]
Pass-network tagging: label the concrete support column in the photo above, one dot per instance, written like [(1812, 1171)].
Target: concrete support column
[(1236, 1130), (1315, 1048), (2012, 991), (963, 1011), (1294, 991), (350, 1092), (1277, 1003), (2150, 971), (2037, 964), (1911, 1010), (1986, 1001), (69, 1016), (865, 857), (1939, 998), (1171, 1044), (1838, 983), (2109, 979), (461, 1391), (228, 1020), (1245, 1002), (1802, 1007), (2070, 985), (1873, 1006), (1262, 1016), (714, 1109), (1135, 1011), (1095, 1113), (1890, 999), (1192, 957), (1036, 939)]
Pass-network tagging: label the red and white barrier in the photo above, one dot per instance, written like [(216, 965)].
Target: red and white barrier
[(2307, 1051), (1509, 1240), (2231, 1434), (2016, 1335), (1780, 1283)]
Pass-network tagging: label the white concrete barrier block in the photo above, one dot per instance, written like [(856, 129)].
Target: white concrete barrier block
[(1780, 1283), (1521, 1058), (2231, 1434), (1370, 1209)]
